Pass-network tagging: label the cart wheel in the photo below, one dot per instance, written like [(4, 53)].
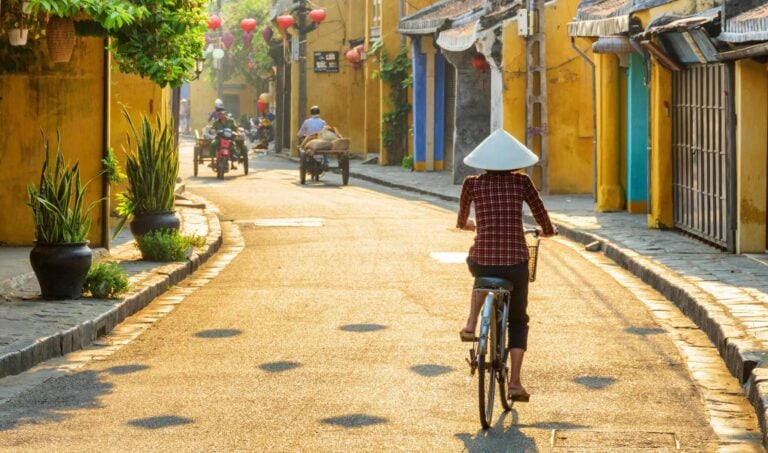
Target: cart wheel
[(196, 157), (222, 167), (302, 170), (344, 164)]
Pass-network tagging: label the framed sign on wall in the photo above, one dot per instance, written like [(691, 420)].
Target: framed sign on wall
[(326, 62)]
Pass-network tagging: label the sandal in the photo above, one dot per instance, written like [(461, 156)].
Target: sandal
[(467, 336), (518, 394)]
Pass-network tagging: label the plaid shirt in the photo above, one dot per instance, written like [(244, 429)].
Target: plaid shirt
[(498, 198)]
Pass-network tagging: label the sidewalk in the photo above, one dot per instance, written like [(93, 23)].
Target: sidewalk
[(33, 330), (726, 295)]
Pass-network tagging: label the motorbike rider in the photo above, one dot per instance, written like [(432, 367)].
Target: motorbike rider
[(224, 122), (311, 125), (218, 107)]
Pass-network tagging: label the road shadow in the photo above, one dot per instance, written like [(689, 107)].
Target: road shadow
[(644, 330), (161, 421), (52, 401), (218, 333), (362, 327), (126, 369), (354, 420), (431, 369), (595, 382), (277, 367)]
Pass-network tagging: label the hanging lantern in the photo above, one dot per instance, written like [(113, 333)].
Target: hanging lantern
[(248, 24), (247, 38), (210, 48), (207, 40), (264, 97), (479, 62), (218, 54), (267, 34), (214, 22), (284, 21), (317, 15), (251, 65), (227, 38), (262, 106), (352, 56)]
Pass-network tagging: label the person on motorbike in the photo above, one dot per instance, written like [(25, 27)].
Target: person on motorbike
[(500, 249), (224, 122), (311, 125), (218, 107)]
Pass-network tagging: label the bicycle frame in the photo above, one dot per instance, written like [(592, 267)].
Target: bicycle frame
[(488, 318)]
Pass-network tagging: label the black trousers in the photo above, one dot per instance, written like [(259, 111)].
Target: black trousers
[(518, 304)]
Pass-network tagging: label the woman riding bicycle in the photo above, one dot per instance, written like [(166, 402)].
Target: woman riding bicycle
[(500, 249)]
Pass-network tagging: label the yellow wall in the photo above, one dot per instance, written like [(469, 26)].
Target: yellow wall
[(68, 97), (568, 77), (372, 100), (660, 192), (751, 147)]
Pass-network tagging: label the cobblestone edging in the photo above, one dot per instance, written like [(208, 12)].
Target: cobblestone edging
[(744, 356), (144, 289)]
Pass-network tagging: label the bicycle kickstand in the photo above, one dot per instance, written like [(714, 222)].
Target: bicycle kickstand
[(472, 361)]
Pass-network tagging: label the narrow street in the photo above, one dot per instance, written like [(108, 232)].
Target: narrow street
[(330, 323)]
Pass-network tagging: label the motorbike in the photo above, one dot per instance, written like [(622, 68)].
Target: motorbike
[(226, 140)]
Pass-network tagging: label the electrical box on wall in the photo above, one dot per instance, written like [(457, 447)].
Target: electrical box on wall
[(522, 23)]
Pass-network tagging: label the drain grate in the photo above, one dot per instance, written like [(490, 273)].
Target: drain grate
[(287, 222), (574, 440)]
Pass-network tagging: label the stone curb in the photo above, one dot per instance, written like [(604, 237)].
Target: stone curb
[(743, 355), (87, 332)]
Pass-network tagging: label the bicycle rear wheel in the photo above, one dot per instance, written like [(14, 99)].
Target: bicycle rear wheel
[(487, 373), (502, 373)]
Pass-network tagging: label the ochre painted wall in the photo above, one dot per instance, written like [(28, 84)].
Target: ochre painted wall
[(65, 97), (660, 191), (568, 78), (751, 147)]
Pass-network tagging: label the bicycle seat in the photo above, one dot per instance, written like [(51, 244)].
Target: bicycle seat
[(493, 282)]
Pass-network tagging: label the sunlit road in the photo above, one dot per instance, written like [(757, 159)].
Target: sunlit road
[(336, 329)]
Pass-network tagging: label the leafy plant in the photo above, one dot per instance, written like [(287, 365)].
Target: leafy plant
[(407, 163), (106, 281), (112, 167), (167, 245), (58, 202), (396, 73), (151, 169)]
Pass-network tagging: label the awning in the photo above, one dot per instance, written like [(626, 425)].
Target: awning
[(443, 13), (459, 39), (750, 25), (684, 39), (596, 18), (282, 7)]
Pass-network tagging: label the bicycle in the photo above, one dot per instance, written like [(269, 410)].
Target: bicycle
[(489, 351)]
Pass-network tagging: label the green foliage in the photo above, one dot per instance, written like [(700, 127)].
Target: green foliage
[(407, 163), (167, 245), (254, 64), (58, 202), (151, 169), (155, 39), (106, 281), (397, 74), (112, 167)]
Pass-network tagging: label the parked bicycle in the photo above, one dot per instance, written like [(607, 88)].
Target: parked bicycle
[(489, 353)]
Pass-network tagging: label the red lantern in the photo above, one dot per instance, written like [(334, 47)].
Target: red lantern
[(262, 106), (317, 15), (214, 22), (284, 21), (248, 24), (227, 38), (352, 56), (479, 62)]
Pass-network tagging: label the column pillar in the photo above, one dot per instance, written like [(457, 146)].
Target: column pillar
[(660, 190), (610, 195)]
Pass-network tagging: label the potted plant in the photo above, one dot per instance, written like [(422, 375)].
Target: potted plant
[(151, 169), (61, 256)]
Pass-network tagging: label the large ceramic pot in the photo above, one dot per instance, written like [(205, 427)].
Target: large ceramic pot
[(61, 269), (146, 222)]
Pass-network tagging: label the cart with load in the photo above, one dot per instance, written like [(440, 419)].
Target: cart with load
[(317, 156)]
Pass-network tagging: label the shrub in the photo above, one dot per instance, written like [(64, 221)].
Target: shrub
[(407, 163), (106, 281), (167, 245)]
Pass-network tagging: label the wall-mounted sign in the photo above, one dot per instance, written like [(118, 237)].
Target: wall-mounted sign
[(326, 62)]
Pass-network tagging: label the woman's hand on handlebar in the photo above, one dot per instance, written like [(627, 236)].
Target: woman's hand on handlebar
[(469, 225), (554, 233)]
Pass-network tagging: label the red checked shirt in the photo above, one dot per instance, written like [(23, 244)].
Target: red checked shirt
[(498, 198)]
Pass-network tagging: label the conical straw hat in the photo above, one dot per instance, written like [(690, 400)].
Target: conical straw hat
[(501, 151)]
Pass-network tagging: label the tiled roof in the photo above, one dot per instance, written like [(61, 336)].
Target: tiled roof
[(750, 25), (432, 18), (601, 9)]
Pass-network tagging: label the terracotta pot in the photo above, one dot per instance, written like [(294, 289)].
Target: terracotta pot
[(18, 36), (151, 221), (60, 36)]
